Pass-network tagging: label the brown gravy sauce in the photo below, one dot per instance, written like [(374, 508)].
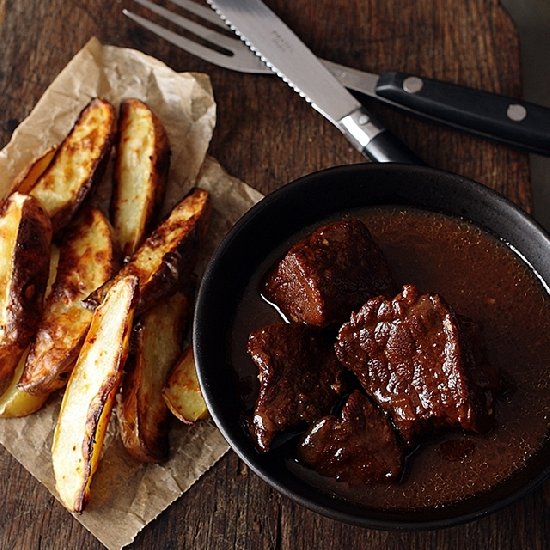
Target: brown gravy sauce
[(482, 278)]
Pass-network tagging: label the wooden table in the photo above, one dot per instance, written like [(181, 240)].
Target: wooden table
[(267, 135)]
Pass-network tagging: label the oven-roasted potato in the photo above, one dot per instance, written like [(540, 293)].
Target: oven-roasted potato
[(26, 179), (141, 168), (166, 258), (77, 164), (26, 233), (90, 394), (182, 392), (86, 261), (144, 418), (15, 402)]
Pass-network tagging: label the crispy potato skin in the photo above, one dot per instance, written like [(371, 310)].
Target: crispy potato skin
[(87, 260), (78, 163), (141, 169), (26, 180), (27, 233), (90, 395), (182, 392), (144, 418), (164, 262)]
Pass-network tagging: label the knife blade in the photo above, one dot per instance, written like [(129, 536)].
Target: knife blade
[(286, 55)]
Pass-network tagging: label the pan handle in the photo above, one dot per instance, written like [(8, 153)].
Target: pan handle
[(374, 141)]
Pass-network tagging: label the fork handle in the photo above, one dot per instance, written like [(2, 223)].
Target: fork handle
[(506, 119)]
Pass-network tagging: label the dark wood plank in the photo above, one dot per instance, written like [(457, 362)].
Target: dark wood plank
[(267, 135)]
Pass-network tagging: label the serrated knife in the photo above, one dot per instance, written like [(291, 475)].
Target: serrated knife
[(286, 55)]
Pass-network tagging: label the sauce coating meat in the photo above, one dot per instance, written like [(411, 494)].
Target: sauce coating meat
[(359, 447), (481, 278), (411, 355), (300, 378), (329, 273)]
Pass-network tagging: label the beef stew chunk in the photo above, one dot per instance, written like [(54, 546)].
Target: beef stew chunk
[(329, 273), (300, 378), (412, 357), (359, 447)]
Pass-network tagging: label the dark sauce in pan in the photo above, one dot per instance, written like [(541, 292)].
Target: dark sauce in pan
[(481, 278)]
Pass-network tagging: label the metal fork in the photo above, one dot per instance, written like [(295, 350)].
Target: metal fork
[(236, 57), (489, 115)]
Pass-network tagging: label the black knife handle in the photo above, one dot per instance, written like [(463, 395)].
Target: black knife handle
[(385, 147), (506, 119), (371, 138)]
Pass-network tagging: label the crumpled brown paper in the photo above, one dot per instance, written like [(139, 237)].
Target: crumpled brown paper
[(126, 495)]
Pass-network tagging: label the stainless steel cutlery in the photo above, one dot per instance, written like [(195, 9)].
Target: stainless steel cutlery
[(509, 120)]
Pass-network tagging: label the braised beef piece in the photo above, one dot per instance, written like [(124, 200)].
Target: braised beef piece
[(300, 378), (329, 273), (359, 447), (411, 355)]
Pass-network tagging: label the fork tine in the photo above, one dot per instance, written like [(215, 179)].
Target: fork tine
[(180, 41), (199, 50), (203, 12), (210, 35)]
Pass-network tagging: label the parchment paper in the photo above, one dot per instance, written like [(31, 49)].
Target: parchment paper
[(126, 495)]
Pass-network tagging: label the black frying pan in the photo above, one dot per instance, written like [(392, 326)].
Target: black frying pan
[(274, 221)]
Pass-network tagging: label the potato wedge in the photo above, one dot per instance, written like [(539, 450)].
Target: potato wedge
[(26, 179), (144, 418), (25, 238), (77, 164), (165, 260), (141, 168), (90, 394), (182, 392), (87, 260), (14, 402)]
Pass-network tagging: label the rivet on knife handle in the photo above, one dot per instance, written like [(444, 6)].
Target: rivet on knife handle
[(372, 140), (506, 119)]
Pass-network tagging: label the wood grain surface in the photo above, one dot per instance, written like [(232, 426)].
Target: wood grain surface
[(266, 135)]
